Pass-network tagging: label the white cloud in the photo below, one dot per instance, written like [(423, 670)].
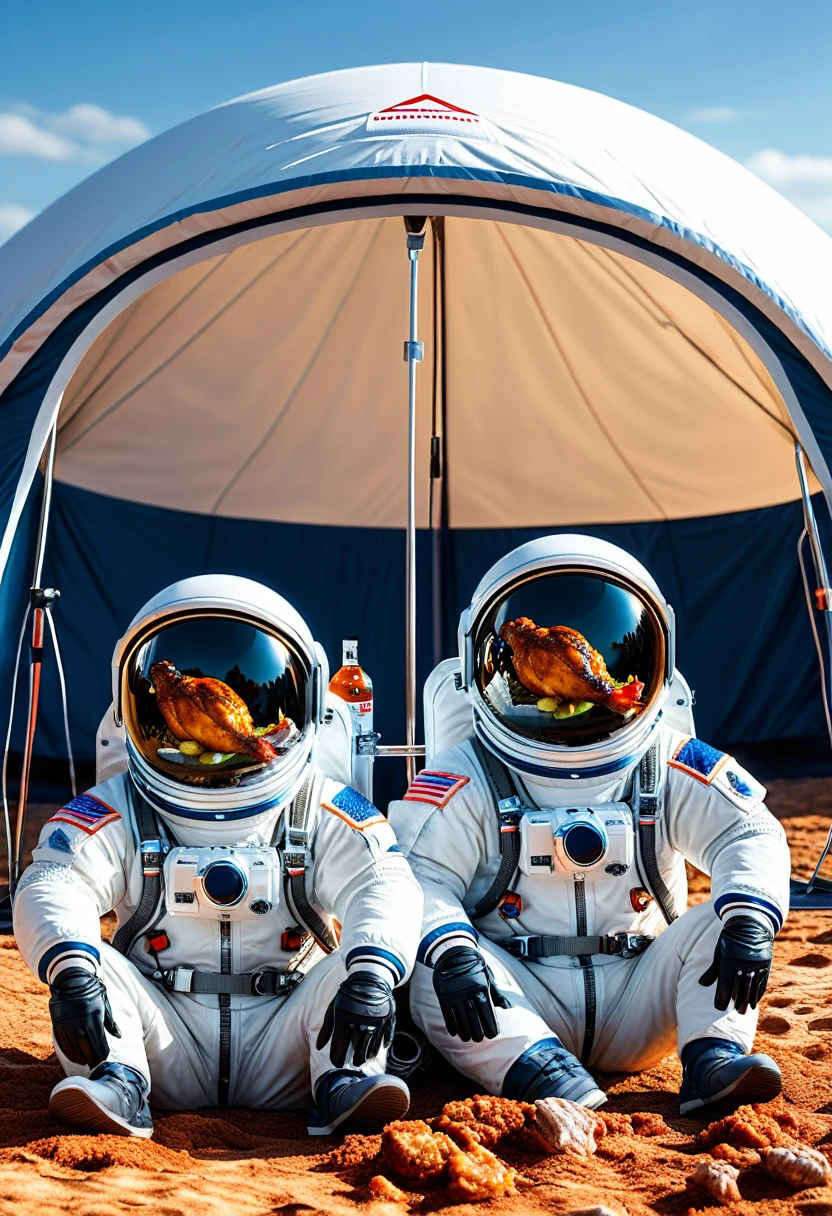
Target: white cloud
[(714, 114), (19, 136), (83, 132), (12, 217), (781, 170), (94, 125), (805, 180)]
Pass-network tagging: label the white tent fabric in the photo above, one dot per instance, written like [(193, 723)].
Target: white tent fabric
[(242, 280), (312, 140)]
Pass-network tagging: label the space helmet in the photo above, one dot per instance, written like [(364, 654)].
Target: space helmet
[(220, 687), (567, 652)]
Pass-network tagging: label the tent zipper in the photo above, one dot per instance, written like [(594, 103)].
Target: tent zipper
[(590, 1000)]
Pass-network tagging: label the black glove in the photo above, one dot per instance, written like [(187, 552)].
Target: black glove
[(467, 994), (742, 962), (80, 1014), (362, 1016)]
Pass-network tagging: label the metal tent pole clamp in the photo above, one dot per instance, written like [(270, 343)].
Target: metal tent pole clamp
[(39, 601), (413, 355)]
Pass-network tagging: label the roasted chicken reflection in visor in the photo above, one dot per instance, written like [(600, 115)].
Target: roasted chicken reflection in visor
[(213, 698), (209, 713), (569, 658), (559, 664)]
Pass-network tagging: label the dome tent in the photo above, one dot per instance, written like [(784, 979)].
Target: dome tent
[(624, 330)]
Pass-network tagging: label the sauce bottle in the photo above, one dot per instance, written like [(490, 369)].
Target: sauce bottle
[(352, 684)]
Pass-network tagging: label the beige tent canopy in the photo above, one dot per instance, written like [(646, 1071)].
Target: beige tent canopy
[(578, 385)]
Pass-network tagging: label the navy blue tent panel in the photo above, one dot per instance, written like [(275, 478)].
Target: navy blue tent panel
[(744, 638)]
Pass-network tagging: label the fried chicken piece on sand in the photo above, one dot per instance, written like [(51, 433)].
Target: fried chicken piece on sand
[(476, 1174), (485, 1117), (472, 1171), (413, 1151), (751, 1127)]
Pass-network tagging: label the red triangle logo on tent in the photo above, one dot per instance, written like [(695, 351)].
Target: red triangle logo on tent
[(425, 103), (426, 115)]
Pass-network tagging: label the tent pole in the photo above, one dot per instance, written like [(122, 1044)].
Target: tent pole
[(413, 354), (817, 893), (438, 442), (40, 601), (822, 591)]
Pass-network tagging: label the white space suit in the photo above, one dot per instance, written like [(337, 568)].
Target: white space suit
[(219, 989), (579, 945)]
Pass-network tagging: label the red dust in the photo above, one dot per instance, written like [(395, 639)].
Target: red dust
[(257, 1163)]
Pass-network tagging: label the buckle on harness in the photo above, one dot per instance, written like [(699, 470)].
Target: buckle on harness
[(627, 945), (518, 945), (297, 838), (283, 981), (648, 808), (295, 861), (178, 979), (151, 854), (509, 812)]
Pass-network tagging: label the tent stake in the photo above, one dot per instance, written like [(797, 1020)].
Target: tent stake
[(413, 354)]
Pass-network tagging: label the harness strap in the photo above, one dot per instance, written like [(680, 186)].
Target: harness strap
[(646, 810), (507, 805), (150, 846), (295, 858), (207, 983), (622, 945)]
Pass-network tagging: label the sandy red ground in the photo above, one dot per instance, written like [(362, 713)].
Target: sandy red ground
[(245, 1162)]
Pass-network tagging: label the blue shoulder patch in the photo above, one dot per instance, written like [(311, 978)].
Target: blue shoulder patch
[(699, 759), (353, 807), (737, 783), (59, 841)]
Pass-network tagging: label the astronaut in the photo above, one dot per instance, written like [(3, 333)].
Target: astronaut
[(551, 848), (265, 912)]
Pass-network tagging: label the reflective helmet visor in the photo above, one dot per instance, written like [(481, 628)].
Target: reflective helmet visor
[(569, 658), (210, 700)]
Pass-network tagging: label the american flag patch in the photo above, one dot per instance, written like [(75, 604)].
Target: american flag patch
[(435, 787), (86, 812)]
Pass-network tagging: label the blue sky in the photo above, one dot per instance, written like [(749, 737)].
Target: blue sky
[(81, 82)]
